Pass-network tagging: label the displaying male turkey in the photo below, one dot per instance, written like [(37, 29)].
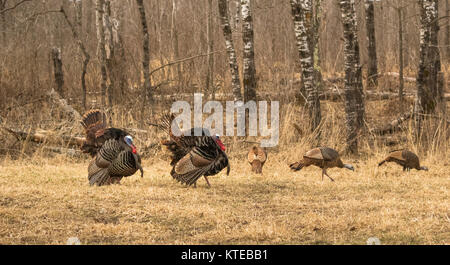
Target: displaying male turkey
[(115, 155), (193, 156), (404, 158), (94, 123), (323, 157), (256, 157)]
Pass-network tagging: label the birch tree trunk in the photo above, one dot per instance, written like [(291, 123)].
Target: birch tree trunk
[(428, 90), (146, 91), (315, 38), (249, 53), (353, 91), (224, 20), (109, 48), (58, 71), (210, 58), (237, 15), (400, 53), (175, 46), (447, 34), (302, 15), (101, 52), (372, 71)]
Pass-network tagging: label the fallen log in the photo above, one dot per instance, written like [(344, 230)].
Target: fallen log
[(393, 125), (46, 137), (62, 150), (405, 78)]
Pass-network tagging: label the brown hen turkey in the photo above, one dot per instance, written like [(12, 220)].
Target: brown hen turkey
[(256, 157), (323, 157), (404, 158)]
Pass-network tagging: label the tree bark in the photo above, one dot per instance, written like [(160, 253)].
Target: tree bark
[(110, 50), (400, 53), (354, 96), (101, 52), (175, 44), (58, 71), (224, 20), (249, 70), (302, 16), (237, 14), (428, 89), (76, 36), (447, 33), (3, 20), (209, 86), (78, 15), (146, 91), (372, 71)]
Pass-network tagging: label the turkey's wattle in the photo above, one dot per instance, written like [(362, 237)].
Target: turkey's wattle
[(221, 145)]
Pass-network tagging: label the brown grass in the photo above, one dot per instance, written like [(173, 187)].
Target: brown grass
[(46, 202), (46, 199)]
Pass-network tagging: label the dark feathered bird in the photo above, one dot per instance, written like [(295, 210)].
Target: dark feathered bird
[(94, 123), (404, 158), (323, 157), (193, 156), (113, 151), (256, 157)]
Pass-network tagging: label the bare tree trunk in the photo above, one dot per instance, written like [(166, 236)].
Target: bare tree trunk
[(76, 36), (372, 71), (78, 15), (57, 70), (109, 48), (315, 38), (354, 96), (429, 63), (175, 46), (224, 20), (3, 20), (400, 53), (119, 61), (210, 58), (89, 15), (447, 37), (249, 53), (101, 52), (237, 15), (147, 93), (302, 16)]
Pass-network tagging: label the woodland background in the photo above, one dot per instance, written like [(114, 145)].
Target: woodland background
[(44, 193)]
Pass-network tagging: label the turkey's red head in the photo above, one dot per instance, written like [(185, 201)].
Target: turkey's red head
[(219, 142), (129, 141)]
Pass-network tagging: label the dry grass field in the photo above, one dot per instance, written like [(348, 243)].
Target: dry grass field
[(49, 201)]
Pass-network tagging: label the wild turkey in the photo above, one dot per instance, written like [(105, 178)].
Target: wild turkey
[(404, 158), (194, 156), (323, 157), (113, 162), (94, 123), (256, 157), (115, 155)]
